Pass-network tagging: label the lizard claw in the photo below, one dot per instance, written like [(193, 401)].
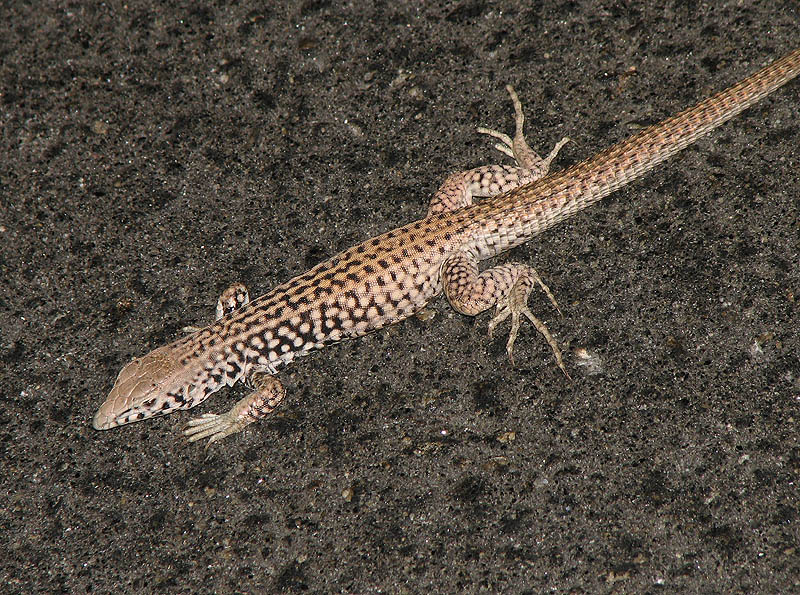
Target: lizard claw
[(517, 148), (268, 394), (515, 305), (214, 427)]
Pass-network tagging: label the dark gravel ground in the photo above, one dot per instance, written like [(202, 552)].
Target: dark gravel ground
[(151, 156)]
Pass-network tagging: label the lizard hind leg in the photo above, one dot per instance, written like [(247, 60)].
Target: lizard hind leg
[(460, 188), (515, 304), (517, 148), (267, 395), (506, 287)]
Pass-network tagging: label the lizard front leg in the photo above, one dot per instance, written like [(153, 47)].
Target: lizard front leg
[(232, 298), (267, 395)]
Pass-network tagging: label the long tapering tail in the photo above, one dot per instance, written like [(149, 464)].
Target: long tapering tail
[(564, 193)]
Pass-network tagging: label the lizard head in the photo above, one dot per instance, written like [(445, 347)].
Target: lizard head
[(154, 384)]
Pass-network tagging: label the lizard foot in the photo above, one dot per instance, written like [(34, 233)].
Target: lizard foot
[(515, 305), (517, 148), (268, 394)]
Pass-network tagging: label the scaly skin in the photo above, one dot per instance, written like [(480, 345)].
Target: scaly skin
[(390, 277)]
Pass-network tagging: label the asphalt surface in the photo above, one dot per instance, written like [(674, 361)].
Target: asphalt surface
[(151, 156)]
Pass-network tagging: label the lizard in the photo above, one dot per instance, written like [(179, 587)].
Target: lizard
[(392, 276)]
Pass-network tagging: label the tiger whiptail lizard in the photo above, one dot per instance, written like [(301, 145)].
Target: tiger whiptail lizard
[(390, 277)]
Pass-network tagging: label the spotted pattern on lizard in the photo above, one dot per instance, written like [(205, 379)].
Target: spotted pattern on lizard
[(388, 278)]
